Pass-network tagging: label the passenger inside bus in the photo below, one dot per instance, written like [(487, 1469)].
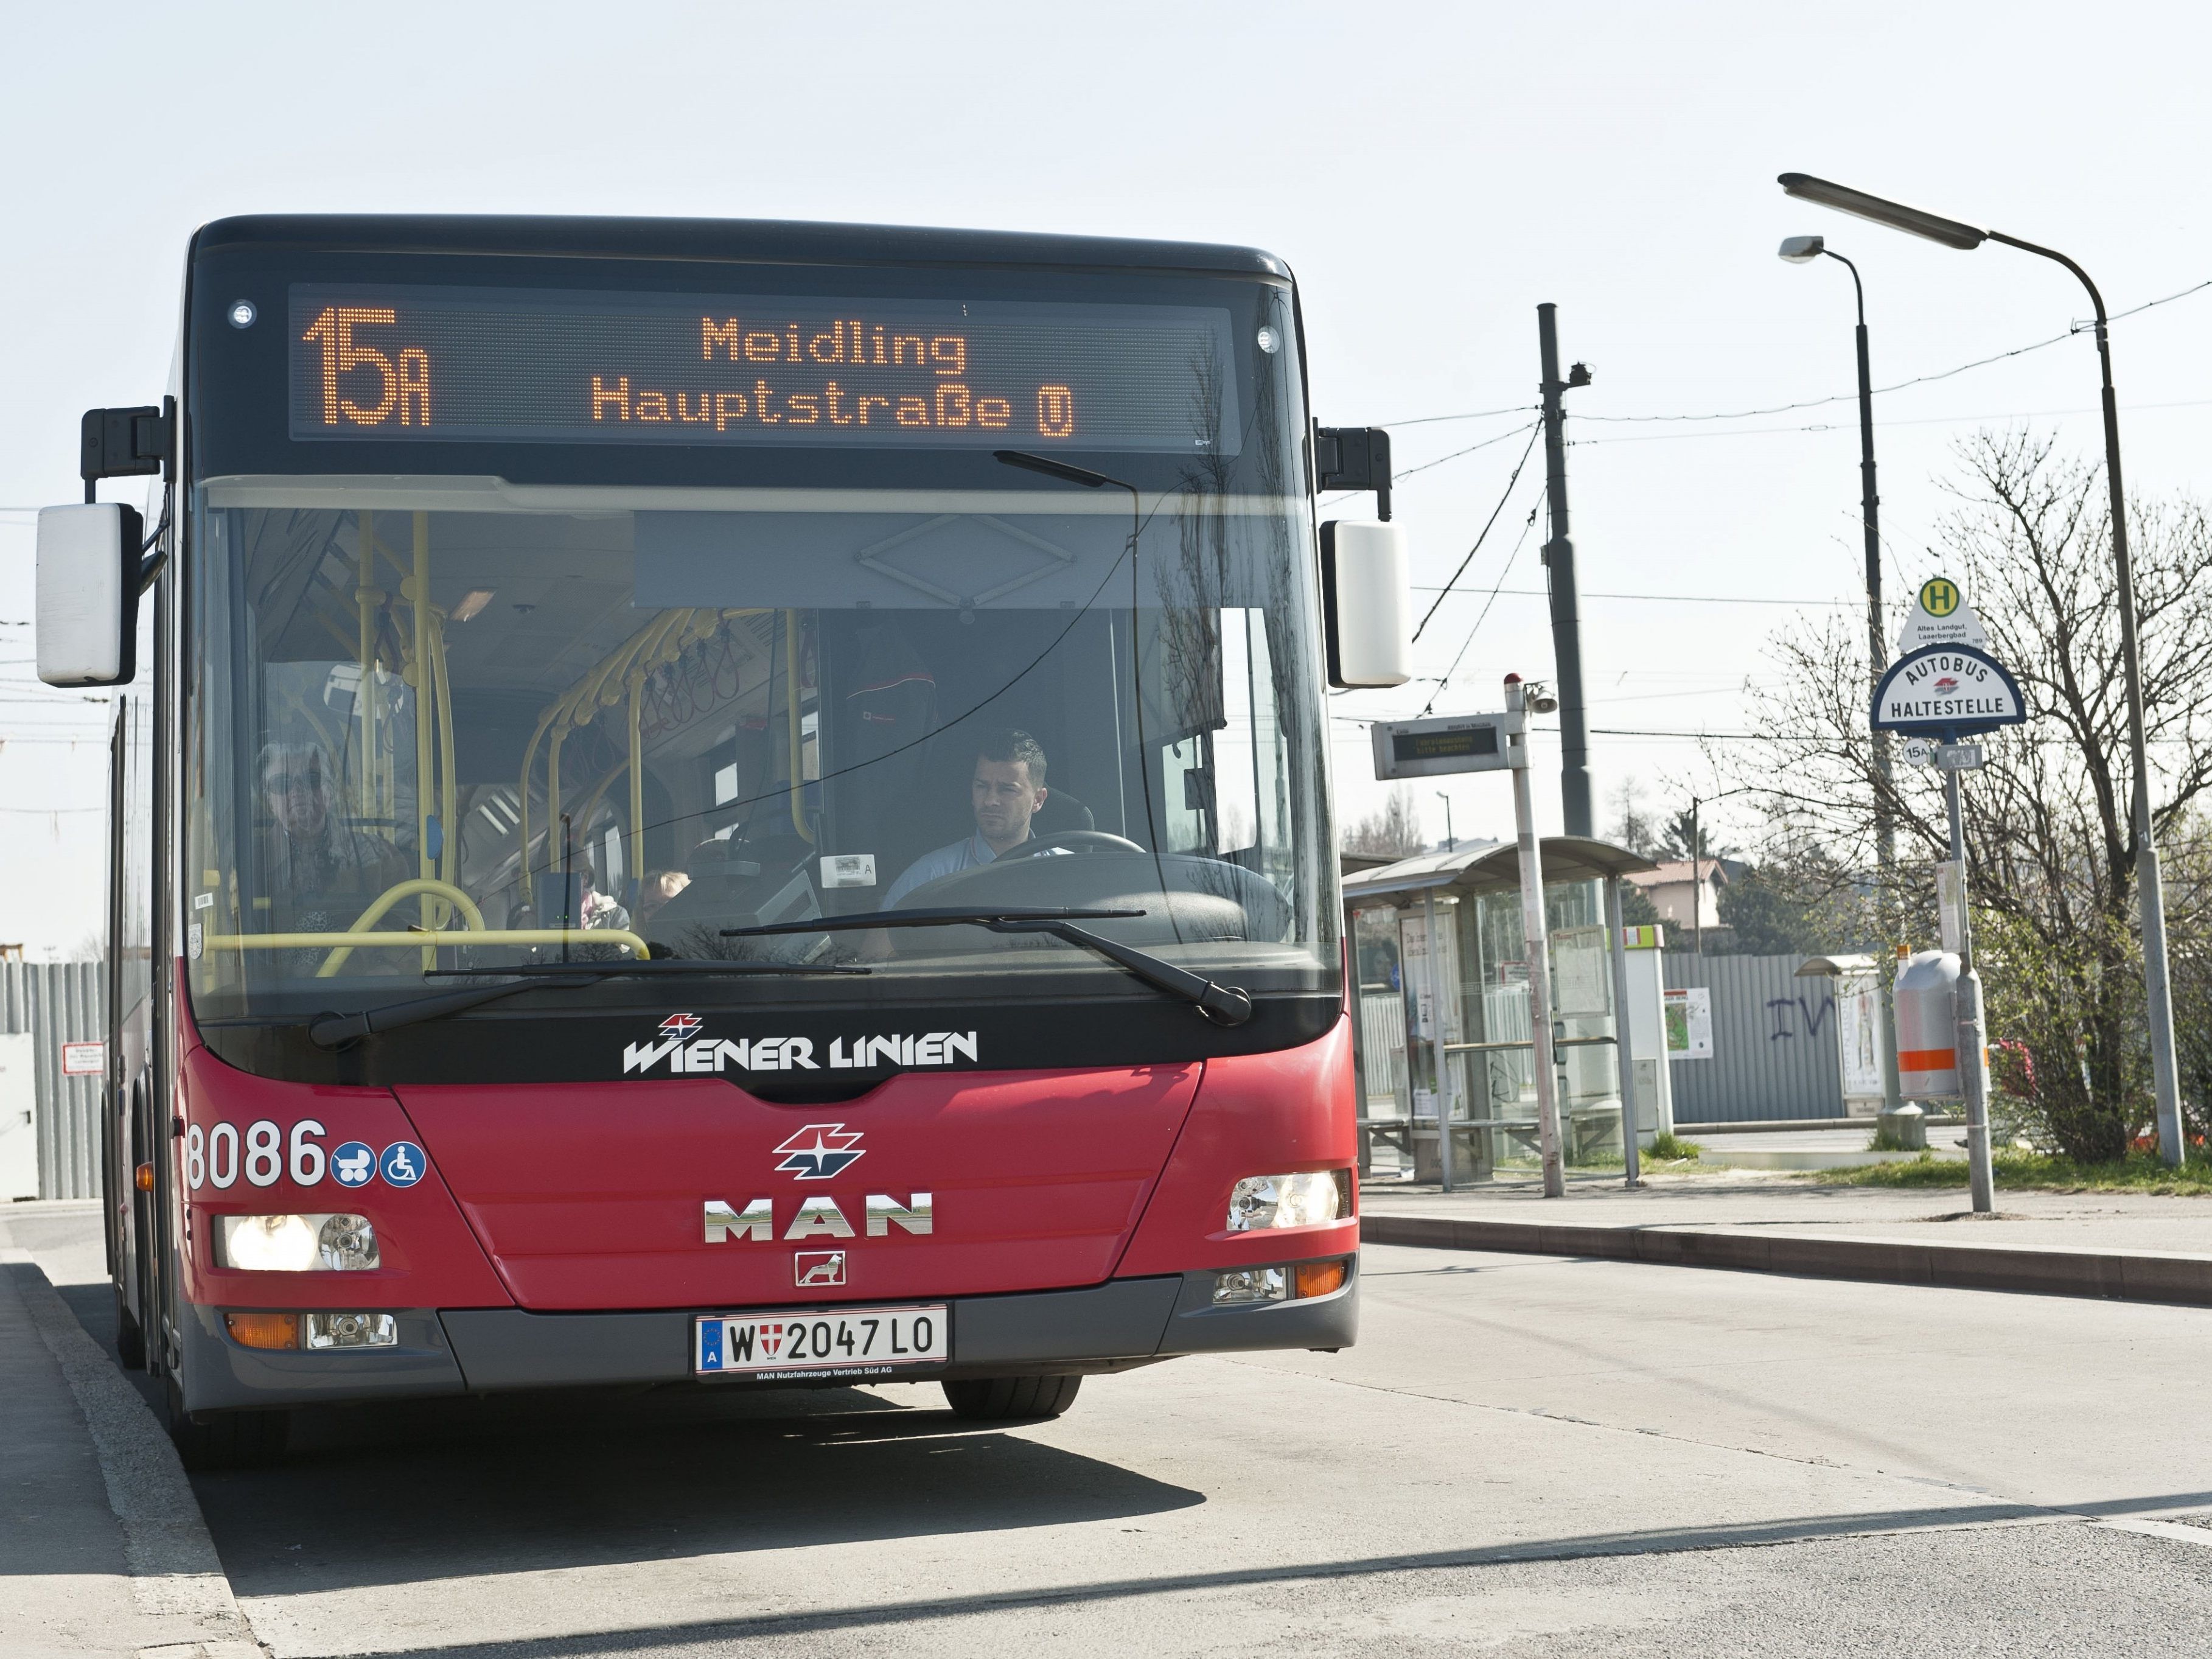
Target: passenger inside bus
[(317, 865)]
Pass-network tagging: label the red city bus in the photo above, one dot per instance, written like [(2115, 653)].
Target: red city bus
[(723, 804)]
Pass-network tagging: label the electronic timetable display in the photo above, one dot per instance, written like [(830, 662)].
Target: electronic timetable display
[(423, 364)]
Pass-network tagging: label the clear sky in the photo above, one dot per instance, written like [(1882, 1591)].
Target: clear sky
[(1431, 173)]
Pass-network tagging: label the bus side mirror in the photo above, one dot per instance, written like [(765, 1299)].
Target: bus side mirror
[(87, 598), (1366, 603)]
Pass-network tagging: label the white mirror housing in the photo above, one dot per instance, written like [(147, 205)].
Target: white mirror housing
[(88, 598), (1366, 604)]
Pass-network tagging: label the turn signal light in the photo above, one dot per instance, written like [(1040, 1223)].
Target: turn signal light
[(142, 1177), (264, 1330), (1319, 1277)]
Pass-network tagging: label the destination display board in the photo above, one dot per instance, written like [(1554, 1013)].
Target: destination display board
[(424, 364), (1435, 748)]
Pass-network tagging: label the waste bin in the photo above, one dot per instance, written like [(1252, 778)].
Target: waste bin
[(1927, 1003)]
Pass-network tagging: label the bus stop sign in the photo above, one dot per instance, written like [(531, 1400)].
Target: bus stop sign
[(1432, 747), (1947, 691)]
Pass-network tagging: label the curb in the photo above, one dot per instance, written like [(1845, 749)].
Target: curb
[(2110, 1275), (176, 1578)]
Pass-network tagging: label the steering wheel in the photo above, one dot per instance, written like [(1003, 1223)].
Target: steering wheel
[(1073, 840)]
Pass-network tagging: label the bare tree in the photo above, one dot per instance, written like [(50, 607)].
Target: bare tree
[(1396, 829), (2047, 826), (1634, 826)]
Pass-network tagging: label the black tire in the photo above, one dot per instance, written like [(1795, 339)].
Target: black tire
[(130, 1335), (1011, 1398), (228, 1440)]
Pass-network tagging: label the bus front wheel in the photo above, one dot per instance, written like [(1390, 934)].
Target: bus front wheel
[(130, 1335), (228, 1440), (1011, 1398)]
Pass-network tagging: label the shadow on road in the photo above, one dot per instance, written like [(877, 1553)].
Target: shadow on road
[(388, 1495)]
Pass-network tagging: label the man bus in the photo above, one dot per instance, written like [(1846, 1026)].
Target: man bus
[(496, 566)]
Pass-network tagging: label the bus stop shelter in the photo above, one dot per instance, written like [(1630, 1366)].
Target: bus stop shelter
[(1443, 1031)]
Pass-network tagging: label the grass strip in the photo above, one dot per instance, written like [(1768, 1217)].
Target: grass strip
[(2016, 1170)]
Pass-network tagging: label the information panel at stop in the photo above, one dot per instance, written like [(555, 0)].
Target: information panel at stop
[(417, 364)]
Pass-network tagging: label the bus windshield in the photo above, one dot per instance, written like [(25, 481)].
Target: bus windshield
[(462, 724)]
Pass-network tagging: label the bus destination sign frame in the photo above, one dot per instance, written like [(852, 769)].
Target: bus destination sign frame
[(395, 363)]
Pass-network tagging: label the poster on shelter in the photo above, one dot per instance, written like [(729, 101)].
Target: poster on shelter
[(1690, 1023), (1858, 1032)]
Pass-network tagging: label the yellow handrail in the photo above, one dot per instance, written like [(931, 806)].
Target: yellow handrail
[(652, 646), (636, 860), (426, 885), (529, 759), (367, 598), (412, 941), (791, 708), (449, 859), (418, 589)]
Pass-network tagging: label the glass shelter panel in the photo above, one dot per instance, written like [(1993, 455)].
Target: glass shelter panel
[(1498, 1065)]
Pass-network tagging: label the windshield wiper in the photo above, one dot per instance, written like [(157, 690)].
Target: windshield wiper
[(1224, 1005), (340, 1030)]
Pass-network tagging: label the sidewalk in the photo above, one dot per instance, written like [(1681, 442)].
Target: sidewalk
[(2126, 1245), (102, 1547)]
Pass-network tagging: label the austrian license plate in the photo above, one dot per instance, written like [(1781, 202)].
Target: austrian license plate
[(822, 1342)]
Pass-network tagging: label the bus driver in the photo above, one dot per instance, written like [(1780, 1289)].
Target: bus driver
[(1006, 791)]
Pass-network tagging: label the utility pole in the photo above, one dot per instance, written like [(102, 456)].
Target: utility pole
[(1536, 943), (1559, 559)]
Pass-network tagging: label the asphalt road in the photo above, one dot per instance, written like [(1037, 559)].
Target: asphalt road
[(1523, 1456)]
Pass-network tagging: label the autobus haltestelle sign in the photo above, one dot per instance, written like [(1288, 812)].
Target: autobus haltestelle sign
[(1948, 690)]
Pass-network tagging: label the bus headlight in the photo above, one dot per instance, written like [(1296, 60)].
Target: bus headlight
[(299, 1244), (1285, 1200)]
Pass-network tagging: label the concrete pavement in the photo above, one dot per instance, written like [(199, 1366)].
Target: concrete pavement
[(102, 1547), (2126, 1245)]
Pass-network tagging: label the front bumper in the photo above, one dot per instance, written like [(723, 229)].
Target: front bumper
[(1112, 1327)]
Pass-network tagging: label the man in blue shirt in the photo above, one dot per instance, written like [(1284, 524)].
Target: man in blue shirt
[(1006, 791)]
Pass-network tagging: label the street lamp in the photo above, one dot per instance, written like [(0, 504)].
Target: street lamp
[(1452, 842), (2158, 990), (1804, 250)]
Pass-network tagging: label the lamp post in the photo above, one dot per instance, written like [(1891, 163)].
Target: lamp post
[(1452, 842), (1804, 250), (1697, 858), (2157, 988)]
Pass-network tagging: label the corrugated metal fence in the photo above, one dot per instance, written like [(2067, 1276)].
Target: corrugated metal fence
[(60, 1002), (1775, 1053)]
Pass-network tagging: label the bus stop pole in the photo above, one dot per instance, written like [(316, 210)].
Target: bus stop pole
[(1436, 1041), (1623, 1054), (1973, 1054), (1536, 943)]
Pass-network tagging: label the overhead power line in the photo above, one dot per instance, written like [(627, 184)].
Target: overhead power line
[(1486, 526), (1665, 599), (1518, 543), (1845, 397)]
